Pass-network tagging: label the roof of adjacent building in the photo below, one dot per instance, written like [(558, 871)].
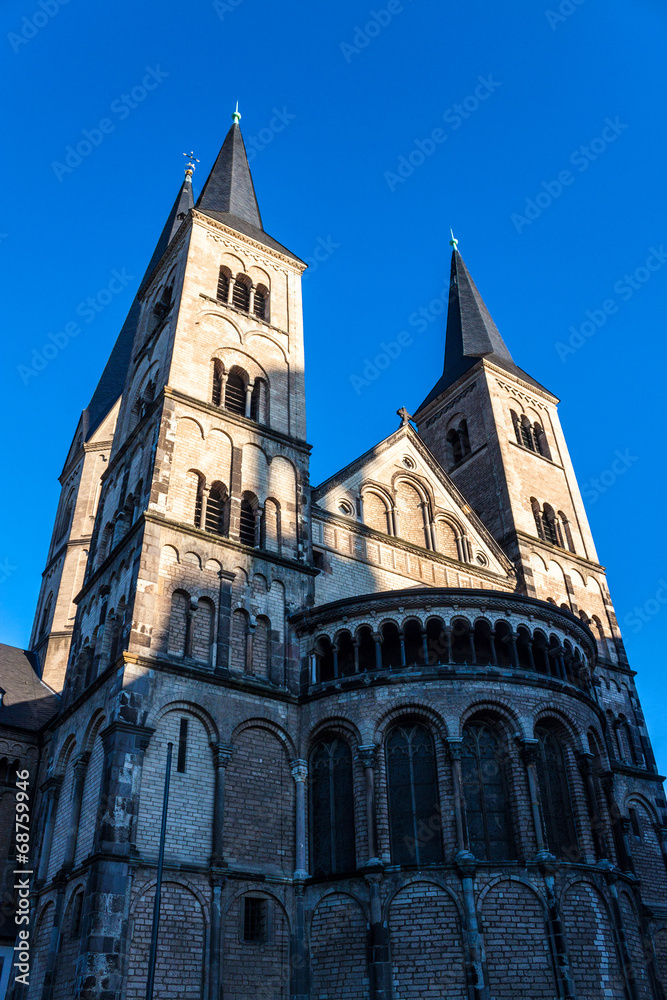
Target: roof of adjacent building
[(27, 702), (471, 334)]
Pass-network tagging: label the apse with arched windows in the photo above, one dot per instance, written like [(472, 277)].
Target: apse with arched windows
[(530, 434)]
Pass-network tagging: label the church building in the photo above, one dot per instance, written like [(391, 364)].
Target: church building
[(408, 759)]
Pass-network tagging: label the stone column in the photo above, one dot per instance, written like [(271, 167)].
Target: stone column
[(494, 651), (448, 640), (548, 867), (529, 751), (248, 397), (401, 638), (251, 301), (221, 757), (248, 647), (367, 756), (425, 645), (80, 768), (474, 947), (455, 747), (300, 775), (189, 629), (51, 790), (514, 652), (223, 635), (215, 957), (355, 646), (377, 639), (378, 943), (585, 763), (104, 939)]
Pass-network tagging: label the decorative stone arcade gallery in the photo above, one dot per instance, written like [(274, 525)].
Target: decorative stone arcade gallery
[(409, 757)]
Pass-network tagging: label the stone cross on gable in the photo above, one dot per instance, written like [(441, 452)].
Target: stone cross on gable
[(404, 415)]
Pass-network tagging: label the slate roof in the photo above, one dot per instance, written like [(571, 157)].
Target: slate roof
[(112, 380), (27, 702), (471, 334), (229, 195)]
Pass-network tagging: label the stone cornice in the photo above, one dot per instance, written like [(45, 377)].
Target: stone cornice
[(297, 267)]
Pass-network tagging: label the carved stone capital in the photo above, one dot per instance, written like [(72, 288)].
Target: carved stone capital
[(528, 750), (454, 745), (367, 755), (585, 762), (466, 862), (81, 764), (299, 770), (221, 754)]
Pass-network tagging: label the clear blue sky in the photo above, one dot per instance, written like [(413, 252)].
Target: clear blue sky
[(355, 105)]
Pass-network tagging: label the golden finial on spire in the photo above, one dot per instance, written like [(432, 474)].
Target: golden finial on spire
[(190, 165), (453, 242), (236, 115)]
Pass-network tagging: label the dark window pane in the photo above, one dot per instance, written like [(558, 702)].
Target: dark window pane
[(414, 812), (332, 808)]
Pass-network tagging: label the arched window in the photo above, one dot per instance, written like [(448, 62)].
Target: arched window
[(261, 648), (504, 644), (224, 277), (527, 439), (550, 525), (485, 791), (178, 622), (565, 525), (66, 516), (483, 643), (345, 647), (559, 829), (241, 292), (258, 401), (324, 654), (261, 306), (414, 642), (414, 808), (458, 443), (202, 630), (235, 392), (46, 615), (540, 438), (463, 650), (248, 520), (411, 509), (391, 646), (218, 378), (366, 643), (331, 808), (271, 526), (524, 648), (216, 509), (376, 512)]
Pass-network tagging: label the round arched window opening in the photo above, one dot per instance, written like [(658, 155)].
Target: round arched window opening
[(345, 508), (408, 462)]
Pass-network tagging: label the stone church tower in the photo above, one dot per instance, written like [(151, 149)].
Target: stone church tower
[(409, 759)]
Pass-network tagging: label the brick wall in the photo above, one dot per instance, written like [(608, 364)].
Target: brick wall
[(259, 804), (591, 945), (254, 969), (42, 937), (633, 937), (180, 966), (517, 949), (426, 945), (338, 950), (61, 826), (190, 813), (90, 802), (70, 944)]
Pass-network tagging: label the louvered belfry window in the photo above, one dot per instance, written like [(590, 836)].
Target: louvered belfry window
[(235, 394), (215, 509), (559, 828), (247, 523), (241, 295), (223, 285), (332, 808), (485, 793), (414, 808)]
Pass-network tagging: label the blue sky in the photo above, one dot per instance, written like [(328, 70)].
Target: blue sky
[(535, 130)]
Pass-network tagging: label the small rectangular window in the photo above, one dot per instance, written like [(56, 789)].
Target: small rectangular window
[(635, 823), (318, 559), (182, 746), (255, 920)]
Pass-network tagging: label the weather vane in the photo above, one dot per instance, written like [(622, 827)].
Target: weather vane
[(453, 242), (190, 165)]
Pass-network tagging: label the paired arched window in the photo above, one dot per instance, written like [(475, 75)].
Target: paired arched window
[(224, 284), (216, 509), (559, 829), (552, 527), (238, 291), (46, 615), (191, 626), (66, 515), (485, 792), (414, 808), (458, 443), (530, 435), (237, 393), (332, 807), (261, 303)]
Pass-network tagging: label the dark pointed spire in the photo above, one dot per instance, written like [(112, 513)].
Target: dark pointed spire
[(229, 193), (229, 187), (112, 380), (471, 332)]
